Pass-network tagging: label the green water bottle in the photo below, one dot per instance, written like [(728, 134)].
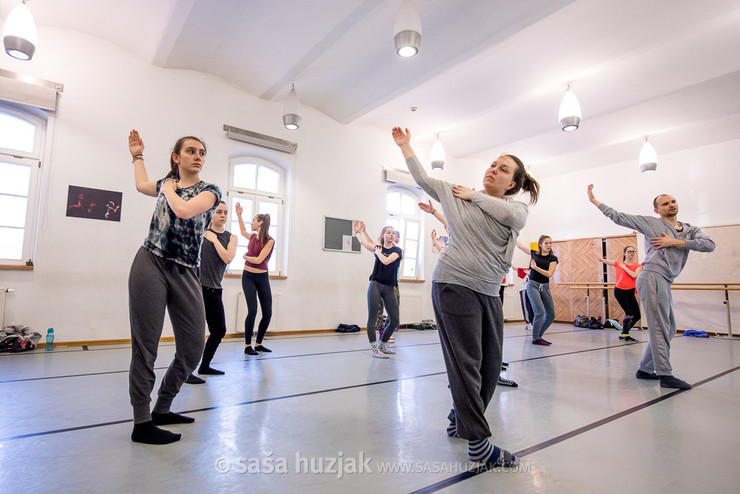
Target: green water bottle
[(50, 340)]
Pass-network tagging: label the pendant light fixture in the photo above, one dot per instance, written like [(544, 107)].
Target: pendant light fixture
[(407, 30), (291, 110), (648, 157), (438, 155), (570, 112), (19, 33)]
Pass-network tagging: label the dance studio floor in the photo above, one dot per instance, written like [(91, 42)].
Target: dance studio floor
[(319, 415)]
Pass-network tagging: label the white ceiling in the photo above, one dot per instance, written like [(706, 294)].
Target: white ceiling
[(489, 76)]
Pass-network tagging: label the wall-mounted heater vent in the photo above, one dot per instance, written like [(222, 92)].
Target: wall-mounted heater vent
[(260, 139), (396, 176)]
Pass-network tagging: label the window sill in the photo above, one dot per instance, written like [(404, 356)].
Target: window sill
[(411, 281), (19, 267)]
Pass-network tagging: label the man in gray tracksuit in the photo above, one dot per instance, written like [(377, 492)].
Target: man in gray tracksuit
[(667, 245)]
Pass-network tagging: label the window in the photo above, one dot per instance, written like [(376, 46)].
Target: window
[(259, 186), (22, 131), (404, 215)]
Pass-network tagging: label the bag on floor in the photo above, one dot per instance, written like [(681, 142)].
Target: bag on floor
[(348, 328), (595, 323), (422, 326), (612, 324), (7, 343), (21, 345), (580, 321), (16, 338), (696, 333)]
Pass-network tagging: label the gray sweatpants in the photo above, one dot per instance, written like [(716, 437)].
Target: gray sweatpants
[(655, 293), (471, 330), (379, 295), (154, 285)]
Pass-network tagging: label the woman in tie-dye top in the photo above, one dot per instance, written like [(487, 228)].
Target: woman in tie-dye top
[(165, 276)]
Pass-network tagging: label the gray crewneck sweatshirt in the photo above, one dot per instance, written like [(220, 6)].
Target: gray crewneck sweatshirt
[(667, 262), (483, 234)]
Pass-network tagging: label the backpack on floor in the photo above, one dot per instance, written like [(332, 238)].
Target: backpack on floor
[(595, 323), (580, 321), (348, 328)]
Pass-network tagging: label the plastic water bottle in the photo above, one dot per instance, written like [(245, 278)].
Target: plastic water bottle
[(50, 340)]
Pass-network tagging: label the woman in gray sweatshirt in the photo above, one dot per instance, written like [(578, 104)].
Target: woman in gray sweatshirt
[(483, 229)]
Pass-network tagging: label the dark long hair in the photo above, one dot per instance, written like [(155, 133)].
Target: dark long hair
[(263, 236), (539, 243), (174, 168), (624, 252), (524, 181)]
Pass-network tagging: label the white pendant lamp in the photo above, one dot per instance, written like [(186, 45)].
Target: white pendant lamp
[(438, 155), (19, 33), (291, 110), (407, 30), (648, 157), (570, 112)]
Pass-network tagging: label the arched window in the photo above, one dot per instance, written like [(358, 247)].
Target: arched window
[(22, 131), (404, 215), (259, 185)]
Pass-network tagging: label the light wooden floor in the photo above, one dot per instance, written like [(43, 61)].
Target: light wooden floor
[(580, 420)]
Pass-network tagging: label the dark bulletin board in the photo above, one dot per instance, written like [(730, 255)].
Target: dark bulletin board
[(339, 235)]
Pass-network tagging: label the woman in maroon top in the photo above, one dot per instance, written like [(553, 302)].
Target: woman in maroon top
[(255, 280)]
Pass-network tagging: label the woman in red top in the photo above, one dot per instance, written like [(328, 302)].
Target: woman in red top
[(255, 280), (627, 270)]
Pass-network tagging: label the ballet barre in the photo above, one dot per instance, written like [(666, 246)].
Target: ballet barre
[(723, 287), (601, 285)]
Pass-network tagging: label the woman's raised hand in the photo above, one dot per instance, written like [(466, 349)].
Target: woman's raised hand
[(135, 144), (238, 208), (427, 208), (401, 137)]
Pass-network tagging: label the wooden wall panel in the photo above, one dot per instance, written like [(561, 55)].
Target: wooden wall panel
[(584, 267), (561, 293), (576, 263)]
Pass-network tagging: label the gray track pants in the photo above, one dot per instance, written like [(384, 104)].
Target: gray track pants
[(471, 330), (154, 285), (655, 294)]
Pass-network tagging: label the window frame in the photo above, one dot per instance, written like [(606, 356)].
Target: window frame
[(33, 159), (404, 218), (234, 193)]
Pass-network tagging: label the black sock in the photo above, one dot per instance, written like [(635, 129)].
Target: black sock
[(170, 418), (673, 382), (208, 370), (645, 375), (148, 433), (193, 379)]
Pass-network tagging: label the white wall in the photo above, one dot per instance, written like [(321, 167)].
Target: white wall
[(703, 180), (79, 283)]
